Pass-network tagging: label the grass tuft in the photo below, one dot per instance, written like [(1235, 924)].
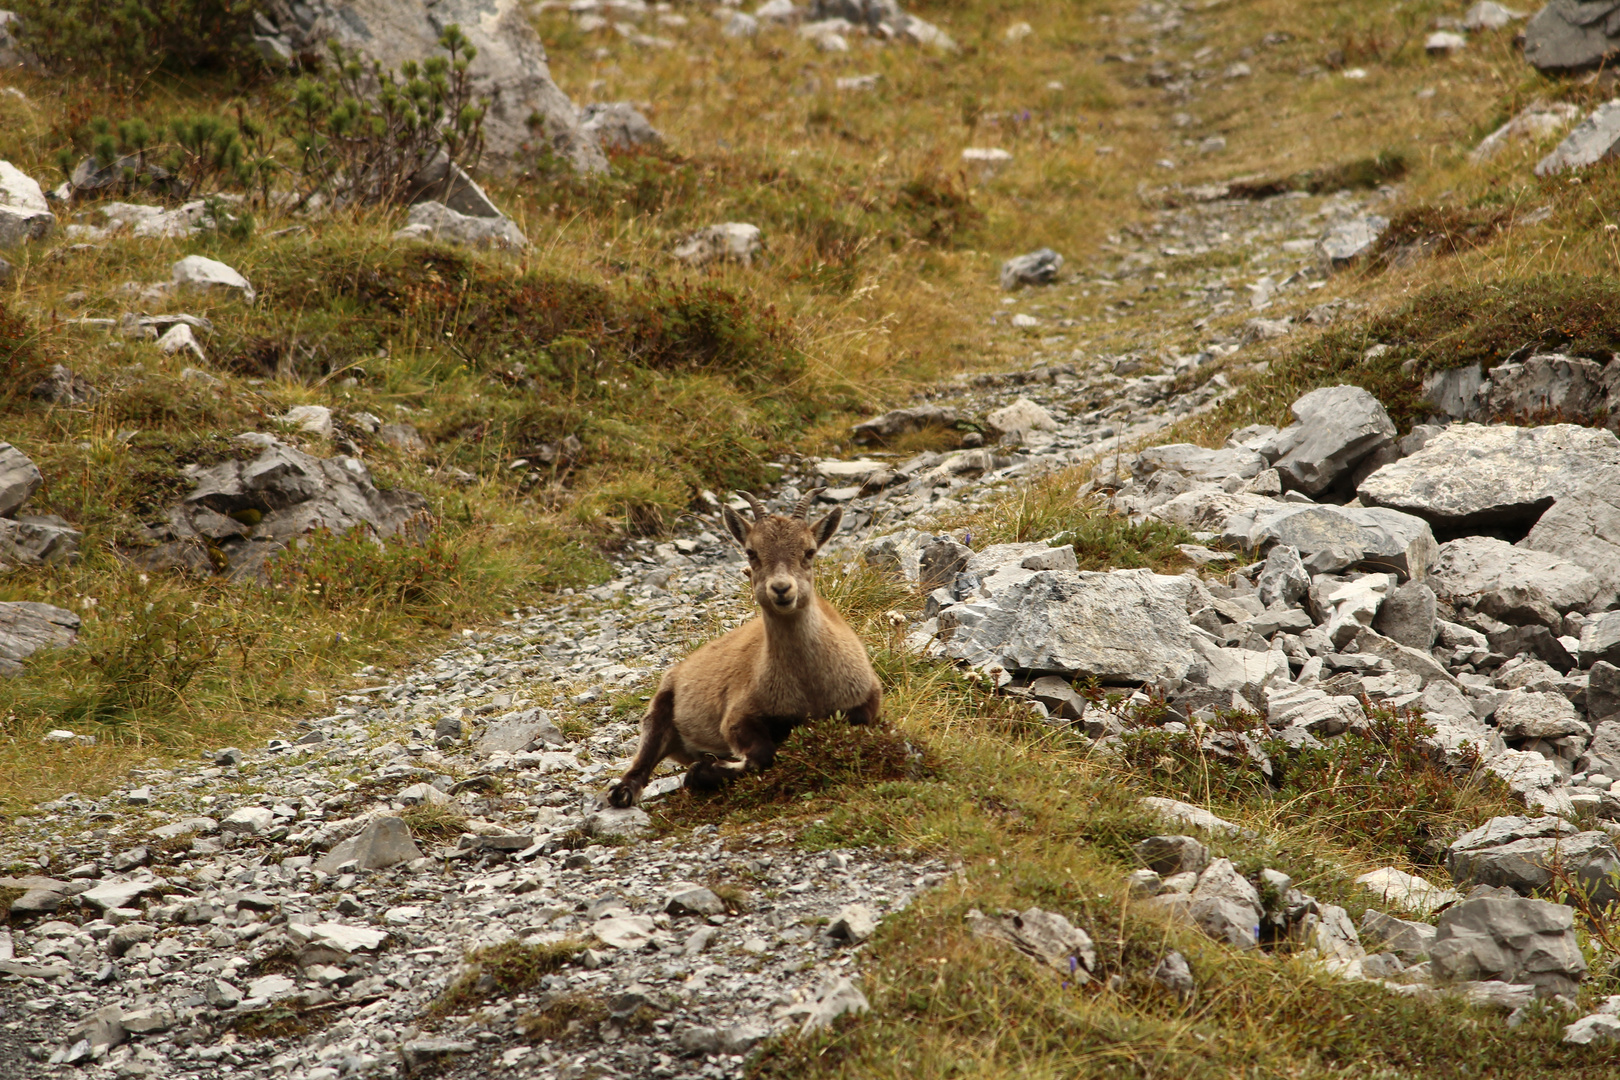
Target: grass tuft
[(503, 970)]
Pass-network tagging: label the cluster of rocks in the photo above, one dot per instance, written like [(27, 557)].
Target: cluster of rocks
[(1506, 648), (243, 512), (1492, 945)]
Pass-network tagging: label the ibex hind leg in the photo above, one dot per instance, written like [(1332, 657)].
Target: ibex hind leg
[(658, 737), (753, 749)]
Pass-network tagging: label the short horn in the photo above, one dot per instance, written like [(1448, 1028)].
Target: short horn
[(805, 503), (759, 511)]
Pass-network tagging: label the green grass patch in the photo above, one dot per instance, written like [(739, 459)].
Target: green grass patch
[(503, 970)]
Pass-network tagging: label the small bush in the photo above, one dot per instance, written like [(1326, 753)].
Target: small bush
[(130, 39), (19, 364), (148, 666)]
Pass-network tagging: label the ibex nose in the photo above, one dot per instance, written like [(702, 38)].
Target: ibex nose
[(781, 588)]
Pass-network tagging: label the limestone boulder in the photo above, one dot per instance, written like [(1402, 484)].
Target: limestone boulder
[(1337, 426), (1198, 463), (1583, 527), (729, 241), (528, 114), (1037, 268), (430, 220), (1594, 139), (1548, 384), (1470, 474), (24, 214), (1126, 626), (619, 125), (250, 510), (19, 478), (1514, 584), (26, 627), (1514, 941), (1387, 539)]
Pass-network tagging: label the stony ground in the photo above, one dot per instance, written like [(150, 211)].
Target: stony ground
[(186, 897)]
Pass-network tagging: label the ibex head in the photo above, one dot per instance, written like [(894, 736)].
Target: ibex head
[(781, 550)]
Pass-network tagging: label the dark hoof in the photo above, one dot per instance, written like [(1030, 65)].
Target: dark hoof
[(706, 776), (622, 796)]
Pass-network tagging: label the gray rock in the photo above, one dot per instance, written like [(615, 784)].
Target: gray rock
[(1042, 935), (419, 1054), (1523, 714), (431, 220), (1125, 626), (26, 627), (103, 1028), (1311, 709), (19, 479), (1407, 615), (1514, 584), (1523, 863), (1596, 1029), (39, 540), (1370, 643), (1535, 121), (1489, 15), (290, 493), (510, 68), (940, 561), (447, 727), (24, 213), (1337, 427), (730, 241), (1516, 941), (1568, 35), (402, 437), (619, 125), (1408, 940), (1457, 392), (1198, 463), (835, 997), (1283, 579), (63, 386), (688, 899), (1169, 855), (1037, 268), (197, 272), (1346, 240), (1330, 932), (1058, 696), (1018, 419), (1247, 672), (854, 923), (518, 732), (441, 182), (1187, 815), (1552, 384), (1594, 139), (383, 843), (1387, 539), (1226, 906), (1470, 475), (609, 822), (898, 422), (1583, 527), (1175, 974), (1603, 693), (1600, 639)]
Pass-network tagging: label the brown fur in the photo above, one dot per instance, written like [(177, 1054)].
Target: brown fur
[(723, 709)]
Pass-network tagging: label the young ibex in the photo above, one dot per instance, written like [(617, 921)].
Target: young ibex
[(723, 709)]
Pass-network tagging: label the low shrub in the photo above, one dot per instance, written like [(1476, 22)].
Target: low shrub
[(130, 39)]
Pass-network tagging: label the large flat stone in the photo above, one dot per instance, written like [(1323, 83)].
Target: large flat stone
[(1470, 474), (1388, 539), (1127, 626), (19, 478), (1198, 462), (383, 843)]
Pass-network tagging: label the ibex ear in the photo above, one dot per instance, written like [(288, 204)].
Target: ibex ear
[(735, 525), (824, 529)]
